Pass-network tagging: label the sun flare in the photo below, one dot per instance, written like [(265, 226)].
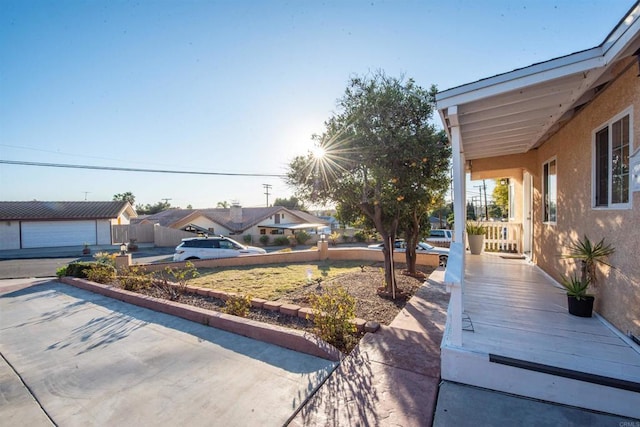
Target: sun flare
[(318, 152)]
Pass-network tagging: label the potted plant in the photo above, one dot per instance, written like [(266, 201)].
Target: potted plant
[(132, 246), (590, 255), (578, 301), (475, 235)]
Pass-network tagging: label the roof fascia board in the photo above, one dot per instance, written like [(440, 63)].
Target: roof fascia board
[(538, 73), (611, 51)]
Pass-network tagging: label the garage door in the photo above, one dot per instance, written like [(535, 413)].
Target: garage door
[(47, 234)]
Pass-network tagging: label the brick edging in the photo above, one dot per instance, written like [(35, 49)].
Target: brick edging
[(292, 339)]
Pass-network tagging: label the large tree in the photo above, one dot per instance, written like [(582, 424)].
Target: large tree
[(375, 157), (291, 203), (501, 196), (125, 197)]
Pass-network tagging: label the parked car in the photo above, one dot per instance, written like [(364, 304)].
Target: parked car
[(212, 247), (440, 237), (422, 248)]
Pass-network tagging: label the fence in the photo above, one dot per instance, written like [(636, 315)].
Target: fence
[(143, 233), (503, 237)]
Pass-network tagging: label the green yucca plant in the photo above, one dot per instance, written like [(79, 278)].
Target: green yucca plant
[(590, 254), (575, 287), (475, 229)]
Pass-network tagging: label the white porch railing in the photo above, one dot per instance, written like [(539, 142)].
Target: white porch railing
[(503, 237)]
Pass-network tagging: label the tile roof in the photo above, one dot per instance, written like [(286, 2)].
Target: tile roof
[(169, 217), (222, 216), (36, 210)]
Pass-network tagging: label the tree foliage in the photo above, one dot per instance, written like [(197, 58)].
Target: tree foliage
[(382, 159), (291, 203), (125, 197), (152, 209), (501, 196)]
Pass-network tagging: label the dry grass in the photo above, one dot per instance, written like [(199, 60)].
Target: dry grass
[(271, 281)]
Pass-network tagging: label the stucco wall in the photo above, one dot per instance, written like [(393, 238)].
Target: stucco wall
[(618, 294), (344, 254)]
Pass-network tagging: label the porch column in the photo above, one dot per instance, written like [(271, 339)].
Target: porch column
[(455, 277)]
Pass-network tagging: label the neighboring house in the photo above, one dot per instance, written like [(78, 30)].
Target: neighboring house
[(55, 224), (237, 220)]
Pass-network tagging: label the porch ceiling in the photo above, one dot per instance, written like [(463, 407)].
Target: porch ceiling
[(517, 111)]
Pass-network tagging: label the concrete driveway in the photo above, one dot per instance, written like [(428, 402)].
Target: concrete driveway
[(70, 357)]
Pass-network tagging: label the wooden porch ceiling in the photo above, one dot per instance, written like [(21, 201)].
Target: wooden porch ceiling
[(517, 111)]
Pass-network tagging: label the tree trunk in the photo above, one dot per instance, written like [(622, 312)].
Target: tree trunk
[(411, 237)]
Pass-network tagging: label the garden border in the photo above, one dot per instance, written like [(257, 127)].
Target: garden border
[(292, 339)]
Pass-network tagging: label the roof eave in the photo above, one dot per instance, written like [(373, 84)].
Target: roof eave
[(538, 73)]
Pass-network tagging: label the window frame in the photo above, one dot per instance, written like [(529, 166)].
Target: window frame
[(608, 125), (545, 184)]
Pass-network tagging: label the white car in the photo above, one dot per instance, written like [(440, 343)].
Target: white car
[(440, 237), (421, 248), (212, 247)]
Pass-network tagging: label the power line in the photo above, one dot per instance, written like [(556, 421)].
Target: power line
[(113, 168)]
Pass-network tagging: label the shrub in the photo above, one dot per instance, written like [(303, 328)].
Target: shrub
[(101, 273), (293, 242), (360, 236), (281, 241), (105, 258), (134, 278), (264, 240), (334, 237), (334, 325), (238, 305), (346, 238), (79, 269), (182, 276), (302, 237), (247, 238), (61, 272)]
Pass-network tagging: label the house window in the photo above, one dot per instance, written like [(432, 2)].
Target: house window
[(549, 191), (611, 163)]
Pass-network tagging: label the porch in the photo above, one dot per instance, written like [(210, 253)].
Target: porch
[(518, 337)]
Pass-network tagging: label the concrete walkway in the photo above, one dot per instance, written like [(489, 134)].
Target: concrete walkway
[(392, 378), (73, 358)]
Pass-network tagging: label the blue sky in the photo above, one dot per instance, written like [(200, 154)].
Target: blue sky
[(233, 86)]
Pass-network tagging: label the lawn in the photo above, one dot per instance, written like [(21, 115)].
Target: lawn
[(271, 281)]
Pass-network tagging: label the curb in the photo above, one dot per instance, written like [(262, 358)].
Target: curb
[(292, 339)]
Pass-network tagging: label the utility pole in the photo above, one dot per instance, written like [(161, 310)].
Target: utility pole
[(486, 207), (266, 191), (85, 195)]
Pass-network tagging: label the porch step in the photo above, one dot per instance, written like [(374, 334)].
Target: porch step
[(619, 396), (566, 373)]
